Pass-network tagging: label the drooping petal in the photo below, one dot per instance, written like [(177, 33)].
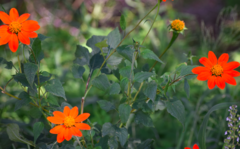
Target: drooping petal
[(30, 26), (206, 62), (14, 14), (5, 18), (232, 73), (229, 79), (220, 82), (59, 114), (231, 66), (82, 117), (223, 59), (212, 57), (195, 146), (23, 17), (5, 35), (200, 69), (74, 112), (60, 136), (24, 39), (76, 132), (82, 126), (57, 129), (212, 82), (13, 43), (68, 134), (55, 120), (204, 76), (66, 110)]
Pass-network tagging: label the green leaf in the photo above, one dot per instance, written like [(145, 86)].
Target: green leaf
[(25, 99), (54, 87), (150, 90), (44, 76), (186, 88), (13, 134), (78, 71), (106, 105), (102, 44), (21, 78), (107, 129), (35, 112), (122, 135), (42, 37), (123, 23), (142, 118), (159, 105), (96, 61), (37, 129), (92, 41), (147, 144), (30, 70), (187, 70), (126, 52), (103, 142), (9, 64), (123, 84), (124, 112), (37, 50), (114, 38), (115, 59), (202, 131), (141, 76), (101, 82), (126, 71), (148, 54), (177, 110), (114, 89), (166, 87), (82, 55), (112, 142)]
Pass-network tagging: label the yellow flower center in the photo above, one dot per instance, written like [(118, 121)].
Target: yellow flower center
[(177, 25), (15, 27), (217, 70), (69, 121)]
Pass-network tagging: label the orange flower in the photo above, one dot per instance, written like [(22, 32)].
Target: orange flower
[(217, 71), (195, 146), (69, 123), (16, 28)]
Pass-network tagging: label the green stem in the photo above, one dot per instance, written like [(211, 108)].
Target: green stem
[(79, 142), (24, 54), (3, 8)]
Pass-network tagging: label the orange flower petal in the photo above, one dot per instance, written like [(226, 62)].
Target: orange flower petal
[(211, 82), (57, 129), (74, 112), (223, 59), (13, 43), (231, 66), (5, 18), (68, 134), (30, 26), (14, 14), (82, 126), (200, 69), (212, 57), (206, 62), (82, 117), (195, 146), (66, 110), (5, 35), (59, 114), (23, 17), (220, 82), (60, 136), (55, 120), (76, 132), (187, 147), (24, 39), (32, 35), (232, 73), (229, 79), (204, 76)]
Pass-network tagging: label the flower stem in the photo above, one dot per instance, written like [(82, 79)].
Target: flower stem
[(79, 142)]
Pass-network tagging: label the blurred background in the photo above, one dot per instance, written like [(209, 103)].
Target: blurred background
[(212, 25)]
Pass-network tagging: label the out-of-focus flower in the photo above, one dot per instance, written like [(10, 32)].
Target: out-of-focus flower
[(177, 26), (217, 71), (195, 146), (16, 28), (68, 123)]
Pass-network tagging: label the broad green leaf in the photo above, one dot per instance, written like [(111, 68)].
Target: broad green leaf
[(96, 61), (101, 82), (147, 144), (114, 38), (42, 37), (37, 49), (177, 110), (64, 104), (186, 88), (148, 54), (103, 142), (30, 70), (92, 41), (122, 135), (82, 55), (123, 84), (13, 134), (37, 129), (54, 87), (124, 112), (150, 90), (114, 89), (107, 129), (102, 44), (126, 71), (126, 52), (141, 76), (166, 87), (35, 112), (9, 65), (202, 131), (21, 78), (78, 71), (141, 104), (123, 23), (113, 143), (106, 105), (144, 119), (115, 59), (43, 77), (159, 105), (187, 70), (25, 99)]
